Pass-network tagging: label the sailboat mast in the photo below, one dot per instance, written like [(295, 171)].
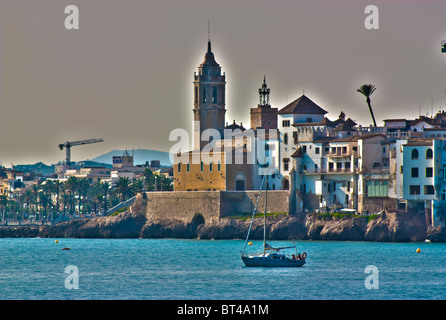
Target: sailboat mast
[(264, 220)]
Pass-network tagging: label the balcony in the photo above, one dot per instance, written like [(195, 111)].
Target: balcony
[(329, 171), (341, 152)]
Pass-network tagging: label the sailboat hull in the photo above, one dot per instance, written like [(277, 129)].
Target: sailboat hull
[(262, 261)]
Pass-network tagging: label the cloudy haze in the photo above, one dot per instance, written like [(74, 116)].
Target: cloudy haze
[(126, 74)]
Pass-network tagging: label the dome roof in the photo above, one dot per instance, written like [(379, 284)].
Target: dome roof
[(209, 59)]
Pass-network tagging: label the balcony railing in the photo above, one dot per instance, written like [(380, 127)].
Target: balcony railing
[(329, 171)]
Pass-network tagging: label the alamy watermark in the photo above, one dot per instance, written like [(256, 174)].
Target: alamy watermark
[(372, 280), (239, 147), (72, 280)]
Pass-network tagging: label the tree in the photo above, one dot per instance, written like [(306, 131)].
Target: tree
[(4, 200), (367, 90), (138, 185), (27, 198), (57, 187), (44, 202), (105, 187), (72, 185), (123, 188), (82, 189), (34, 199)]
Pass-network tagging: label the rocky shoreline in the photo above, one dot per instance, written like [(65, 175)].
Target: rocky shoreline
[(384, 227)]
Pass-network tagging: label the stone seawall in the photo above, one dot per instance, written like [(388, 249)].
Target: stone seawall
[(185, 206), (134, 223)]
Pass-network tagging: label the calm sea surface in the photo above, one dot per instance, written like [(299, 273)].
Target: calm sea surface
[(205, 269)]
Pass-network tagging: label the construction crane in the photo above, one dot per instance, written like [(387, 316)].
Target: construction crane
[(68, 144)]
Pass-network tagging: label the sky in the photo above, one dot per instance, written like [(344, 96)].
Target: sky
[(126, 74)]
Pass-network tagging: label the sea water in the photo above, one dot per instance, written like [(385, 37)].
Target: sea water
[(38, 268)]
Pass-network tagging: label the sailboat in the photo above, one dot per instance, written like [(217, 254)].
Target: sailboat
[(271, 257)]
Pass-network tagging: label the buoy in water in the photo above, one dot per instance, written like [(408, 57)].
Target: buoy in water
[(249, 243), (56, 241), (418, 250), (65, 248)]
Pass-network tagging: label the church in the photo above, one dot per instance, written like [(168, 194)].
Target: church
[(231, 161)]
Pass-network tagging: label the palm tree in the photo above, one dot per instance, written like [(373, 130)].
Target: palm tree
[(138, 185), (44, 202), (123, 188), (66, 198), (35, 192), (367, 90), (82, 188), (4, 200), (57, 186), (72, 184), (28, 198), (105, 187)]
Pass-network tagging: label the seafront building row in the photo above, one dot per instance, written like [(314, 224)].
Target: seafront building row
[(325, 164)]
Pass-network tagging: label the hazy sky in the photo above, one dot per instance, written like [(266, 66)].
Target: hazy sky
[(126, 74)]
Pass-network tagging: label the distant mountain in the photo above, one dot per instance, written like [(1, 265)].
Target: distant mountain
[(140, 156), (38, 167)]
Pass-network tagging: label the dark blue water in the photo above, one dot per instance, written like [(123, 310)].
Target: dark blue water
[(206, 269)]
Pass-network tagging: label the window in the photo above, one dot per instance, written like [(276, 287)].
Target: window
[(196, 95), (309, 119), (429, 190), (285, 138), (304, 149), (204, 95), (414, 190), (338, 166), (414, 173), (401, 169), (330, 166), (429, 172), (327, 149), (333, 150), (188, 167), (286, 164), (201, 166), (214, 95), (344, 150), (414, 154), (285, 123), (218, 166), (429, 154), (316, 151), (347, 166), (179, 167), (210, 167), (376, 188)]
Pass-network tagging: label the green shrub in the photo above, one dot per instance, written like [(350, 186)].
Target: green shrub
[(117, 212)]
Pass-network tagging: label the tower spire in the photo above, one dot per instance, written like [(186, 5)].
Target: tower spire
[(209, 36), (264, 92), (209, 30)]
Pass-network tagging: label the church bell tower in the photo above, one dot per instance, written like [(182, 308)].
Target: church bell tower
[(209, 98)]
